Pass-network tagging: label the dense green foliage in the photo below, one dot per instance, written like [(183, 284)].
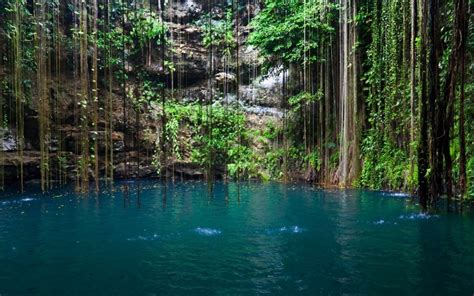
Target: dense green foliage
[(385, 149), (227, 140), (218, 32), (292, 31)]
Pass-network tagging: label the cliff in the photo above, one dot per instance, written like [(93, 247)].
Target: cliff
[(198, 70)]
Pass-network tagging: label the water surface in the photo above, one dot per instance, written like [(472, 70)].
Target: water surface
[(269, 239)]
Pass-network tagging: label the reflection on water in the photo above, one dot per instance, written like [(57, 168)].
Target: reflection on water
[(249, 238)]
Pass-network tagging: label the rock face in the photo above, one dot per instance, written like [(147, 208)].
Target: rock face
[(134, 141), (8, 142)]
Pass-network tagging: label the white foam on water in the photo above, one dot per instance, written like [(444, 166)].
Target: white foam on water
[(419, 216), (144, 238), (17, 201), (296, 229), (207, 231), (396, 194), (413, 216), (285, 229)]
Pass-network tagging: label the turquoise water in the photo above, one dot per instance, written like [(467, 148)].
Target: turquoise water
[(274, 239)]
